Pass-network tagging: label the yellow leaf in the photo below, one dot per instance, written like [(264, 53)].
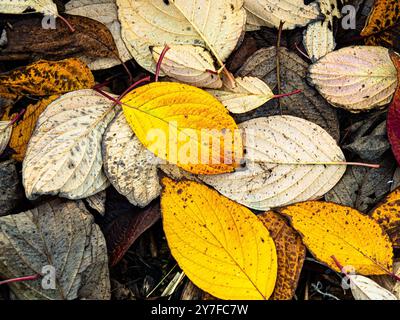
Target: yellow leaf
[(45, 78), (22, 131), (222, 246), (387, 214), (185, 126), (291, 254), (354, 239)]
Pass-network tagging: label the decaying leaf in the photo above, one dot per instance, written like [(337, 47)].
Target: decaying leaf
[(214, 25), (97, 202), (221, 246), (290, 252), (64, 154), (355, 78), (91, 39), (293, 12), (5, 134), (393, 115), (173, 121), (104, 11), (364, 288), (354, 239), (272, 177), (249, 93), (189, 64), (125, 228), (308, 104), (319, 39), (131, 169), (46, 7), (60, 234), (44, 78), (10, 191), (387, 214), (22, 131), (362, 188)]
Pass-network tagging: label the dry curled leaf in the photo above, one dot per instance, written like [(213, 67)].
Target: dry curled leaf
[(172, 119), (249, 93), (283, 164), (64, 154), (131, 169), (308, 104), (44, 78), (189, 64), (90, 40), (60, 234), (291, 253), (97, 202), (222, 247), (357, 78), (329, 229), (214, 25), (10, 191)]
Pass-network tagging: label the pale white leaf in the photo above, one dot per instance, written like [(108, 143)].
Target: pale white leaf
[(318, 39), (46, 7), (254, 23), (364, 288), (5, 134), (272, 177), (355, 78), (64, 154)]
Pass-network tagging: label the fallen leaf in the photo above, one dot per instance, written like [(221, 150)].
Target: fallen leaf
[(127, 226), (291, 253), (357, 78), (60, 234), (189, 64), (64, 154), (387, 214), (97, 202), (389, 282), (216, 26), (5, 134), (272, 177), (44, 78), (393, 115), (104, 11), (361, 188), (46, 7), (10, 191), (131, 169), (22, 131), (308, 104), (364, 288), (249, 93), (28, 40), (222, 247), (329, 229), (318, 39), (254, 23), (293, 12), (193, 113)]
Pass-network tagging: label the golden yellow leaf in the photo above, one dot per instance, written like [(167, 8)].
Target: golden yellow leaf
[(44, 78), (22, 131), (329, 229), (185, 126), (387, 214), (222, 246), (291, 253)]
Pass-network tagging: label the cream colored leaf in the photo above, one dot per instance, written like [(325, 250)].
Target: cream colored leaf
[(249, 94), (104, 11), (214, 25), (364, 288), (46, 7), (271, 177), (131, 168), (355, 78), (189, 64), (318, 39), (5, 134), (64, 154), (254, 23), (293, 12), (98, 202)]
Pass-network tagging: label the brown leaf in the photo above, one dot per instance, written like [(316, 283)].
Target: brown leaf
[(291, 253), (10, 189), (308, 104), (44, 78), (28, 40)]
